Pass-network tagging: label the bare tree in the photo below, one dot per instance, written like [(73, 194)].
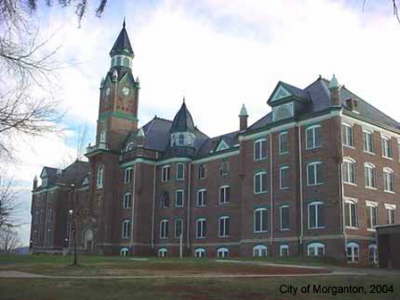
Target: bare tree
[(9, 241), (8, 205)]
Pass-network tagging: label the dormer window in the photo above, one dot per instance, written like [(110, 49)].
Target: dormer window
[(44, 181)]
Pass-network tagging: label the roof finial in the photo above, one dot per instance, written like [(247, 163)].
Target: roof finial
[(183, 99), (123, 24), (243, 111)]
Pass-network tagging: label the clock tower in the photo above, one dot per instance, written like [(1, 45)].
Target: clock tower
[(119, 93)]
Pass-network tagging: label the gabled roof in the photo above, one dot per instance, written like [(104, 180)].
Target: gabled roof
[(211, 144), (183, 121), (122, 45), (284, 90)]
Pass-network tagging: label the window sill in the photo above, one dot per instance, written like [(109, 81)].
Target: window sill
[(389, 192), (314, 184), (179, 206), (200, 206), (350, 183), (352, 227), (285, 229), (224, 237), (387, 157), (371, 229), (284, 188), (312, 228), (371, 188), (370, 153), (264, 231), (349, 146), (313, 148), (260, 159), (258, 193), (283, 153)]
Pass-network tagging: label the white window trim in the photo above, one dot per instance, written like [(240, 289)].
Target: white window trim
[(197, 198), (352, 201), (124, 200), (127, 178), (260, 247), (162, 252), (162, 173), (344, 143), (222, 250), (254, 183), (352, 161), (315, 245), (315, 203), (280, 218), (353, 245), (100, 177), (220, 188), (219, 224), (254, 220), (176, 198), (384, 150), (255, 149), (176, 220), (161, 231), (183, 171), (370, 132), (314, 163), (390, 206), (279, 140), (280, 178), (371, 204), (124, 252), (371, 166), (129, 229), (281, 247), (200, 250), (202, 227), (313, 127), (376, 253), (388, 171)]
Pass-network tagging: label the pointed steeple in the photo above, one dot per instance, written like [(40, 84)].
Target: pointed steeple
[(122, 45), (334, 82), (183, 121), (243, 111), (243, 115)]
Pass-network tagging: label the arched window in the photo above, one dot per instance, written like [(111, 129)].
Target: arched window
[(222, 252), (126, 229), (181, 139), (388, 176), (349, 170), (260, 250), (124, 252), (372, 254), (370, 175), (162, 252), (200, 252), (127, 201), (316, 249), (164, 229), (126, 62), (352, 252)]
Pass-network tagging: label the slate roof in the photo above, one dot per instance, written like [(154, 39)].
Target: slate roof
[(122, 45), (74, 173), (183, 121), (209, 145)]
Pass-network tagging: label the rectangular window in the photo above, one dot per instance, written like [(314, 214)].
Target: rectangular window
[(386, 147), (164, 201), (368, 142), (224, 168), (164, 229), (372, 213), (260, 149), (284, 177), (388, 181), (201, 198), (260, 182), (180, 171), (313, 137), (202, 171), (370, 181), (351, 214), (128, 175), (224, 194), (165, 173), (201, 228), (391, 216), (178, 227), (284, 216), (314, 173), (349, 171), (315, 215), (283, 143), (224, 224), (260, 220), (179, 198), (347, 135)]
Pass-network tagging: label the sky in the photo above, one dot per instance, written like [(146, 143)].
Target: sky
[(218, 54)]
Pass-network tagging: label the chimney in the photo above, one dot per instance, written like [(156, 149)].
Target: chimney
[(243, 118), (334, 88)]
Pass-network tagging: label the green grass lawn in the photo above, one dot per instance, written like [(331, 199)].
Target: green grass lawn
[(169, 288)]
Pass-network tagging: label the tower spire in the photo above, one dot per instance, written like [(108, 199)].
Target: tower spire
[(123, 24)]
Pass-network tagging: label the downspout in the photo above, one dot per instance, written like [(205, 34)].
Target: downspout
[(133, 204), (301, 189), (154, 205), (188, 205), (341, 187), (271, 182)]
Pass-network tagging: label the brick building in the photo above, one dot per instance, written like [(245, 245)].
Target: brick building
[(312, 177)]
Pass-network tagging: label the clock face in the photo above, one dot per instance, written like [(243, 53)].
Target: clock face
[(108, 91), (125, 91)]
